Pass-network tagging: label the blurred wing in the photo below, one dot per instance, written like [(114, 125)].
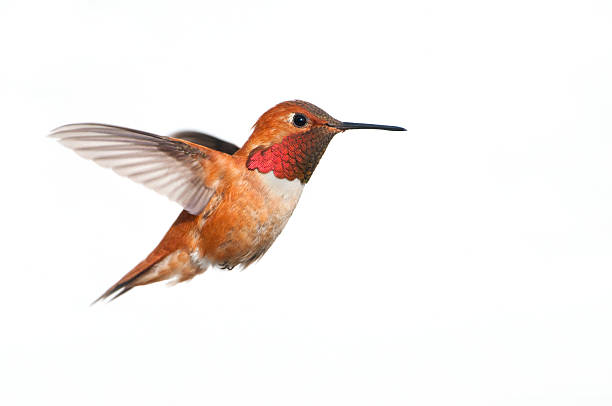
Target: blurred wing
[(206, 140), (170, 167)]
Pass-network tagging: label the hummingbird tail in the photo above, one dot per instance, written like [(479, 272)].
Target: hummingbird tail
[(178, 266), (171, 260), (131, 279)]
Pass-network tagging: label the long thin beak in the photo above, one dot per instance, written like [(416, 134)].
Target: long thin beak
[(356, 126)]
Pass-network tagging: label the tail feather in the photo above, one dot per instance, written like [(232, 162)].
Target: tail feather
[(131, 279), (170, 259)]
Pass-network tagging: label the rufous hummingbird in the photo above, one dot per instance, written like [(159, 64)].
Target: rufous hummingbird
[(236, 200)]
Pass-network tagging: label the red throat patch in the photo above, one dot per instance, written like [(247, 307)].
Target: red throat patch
[(295, 157)]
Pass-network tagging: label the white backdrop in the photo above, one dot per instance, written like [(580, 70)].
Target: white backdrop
[(465, 262)]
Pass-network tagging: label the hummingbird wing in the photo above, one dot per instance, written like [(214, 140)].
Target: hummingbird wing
[(206, 140), (169, 166)]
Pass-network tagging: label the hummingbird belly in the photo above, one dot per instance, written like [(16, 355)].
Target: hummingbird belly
[(247, 220)]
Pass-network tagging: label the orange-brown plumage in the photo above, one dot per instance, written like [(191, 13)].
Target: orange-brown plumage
[(237, 201)]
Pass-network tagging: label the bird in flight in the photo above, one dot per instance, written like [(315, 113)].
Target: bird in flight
[(236, 201)]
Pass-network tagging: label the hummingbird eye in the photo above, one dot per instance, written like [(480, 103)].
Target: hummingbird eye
[(299, 120)]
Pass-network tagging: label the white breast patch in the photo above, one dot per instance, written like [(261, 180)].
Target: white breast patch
[(287, 189)]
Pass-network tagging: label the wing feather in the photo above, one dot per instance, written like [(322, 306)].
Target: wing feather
[(168, 166), (206, 140)]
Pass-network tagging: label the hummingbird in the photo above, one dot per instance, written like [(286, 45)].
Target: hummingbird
[(235, 201)]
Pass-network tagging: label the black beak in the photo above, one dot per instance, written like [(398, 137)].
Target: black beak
[(356, 126)]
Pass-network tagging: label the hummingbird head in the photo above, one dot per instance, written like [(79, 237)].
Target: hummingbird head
[(291, 137)]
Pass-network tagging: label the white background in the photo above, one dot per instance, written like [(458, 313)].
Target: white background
[(465, 262)]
